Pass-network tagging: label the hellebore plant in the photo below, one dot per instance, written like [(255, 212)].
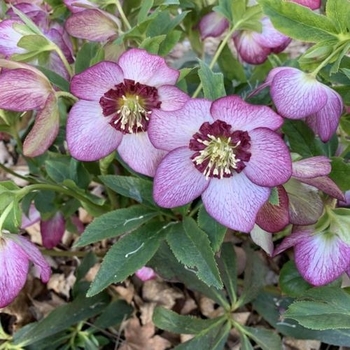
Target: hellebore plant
[(117, 101), (223, 152)]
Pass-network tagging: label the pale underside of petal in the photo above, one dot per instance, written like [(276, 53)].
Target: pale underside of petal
[(297, 95), (171, 97), (270, 37), (212, 24), (321, 259), (312, 167), (52, 230), (248, 48), (91, 24), (177, 181), (14, 269), (9, 38), (45, 129), (94, 82), (270, 163), (324, 123), (146, 68), (244, 116), (262, 238), (170, 130), (137, 151), (235, 201), (89, 135), (22, 90), (293, 239)]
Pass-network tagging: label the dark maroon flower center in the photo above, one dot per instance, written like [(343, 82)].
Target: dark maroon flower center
[(130, 105), (219, 152)]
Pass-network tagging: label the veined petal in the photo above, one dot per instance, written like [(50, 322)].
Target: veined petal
[(293, 239), (89, 135), (32, 218), (9, 38), (177, 181), (270, 163), (171, 97), (325, 122), (52, 230), (312, 167), (235, 201), (92, 24), (94, 82), (14, 268), (296, 94), (137, 151), (244, 116), (146, 68), (321, 258), (170, 130), (311, 4), (212, 24), (22, 90), (45, 129), (271, 37)]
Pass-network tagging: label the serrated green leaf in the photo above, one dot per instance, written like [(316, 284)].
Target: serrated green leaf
[(213, 83), (322, 308), (215, 231), (115, 223), (298, 22), (338, 11), (172, 38), (115, 313), (152, 44), (37, 43), (144, 10), (55, 79), (265, 338), (128, 255), (171, 321), (191, 247), (86, 56)]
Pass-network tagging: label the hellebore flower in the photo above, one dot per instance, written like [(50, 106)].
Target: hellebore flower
[(16, 252), (311, 4), (117, 101), (226, 151), (320, 256), (298, 95), (145, 274), (212, 24), (23, 88)]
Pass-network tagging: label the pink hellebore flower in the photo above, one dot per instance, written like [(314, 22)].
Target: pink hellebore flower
[(117, 101), (212, 24), (226, 151), (15, 254), (145, 274), (298, 95), (311, 4), (321, 257), (23, 88)]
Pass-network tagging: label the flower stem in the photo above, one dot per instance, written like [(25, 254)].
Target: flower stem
[(217, 54), (66, 95), (122, 14), (63, 58), (5, 214)]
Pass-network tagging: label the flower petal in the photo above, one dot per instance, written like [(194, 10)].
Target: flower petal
[(177, 181), (45, 129), (137, 151), (262, 238), (212, 24), (325, 122), (270, 163), (235, 201), (22, 90), (244, 116), (321, 258), (14, 269), (271, 37), (9, 38), (170, 130), (52, 230), (311, 4), (146, 68), (92, 24), (89, 135), (296, 94), (312, 167), (94, 82), (145, 274), (171, 97)]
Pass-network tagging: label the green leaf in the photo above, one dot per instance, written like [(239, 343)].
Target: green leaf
[(54, 78), (152, 44), (61, 318), (37, 43), (89, 53), (85, 265), (172, 322), (338, 11), (245, 343), (115, 313), (58, 169), (79, 174), (290, 281), (215, 231), (322, 308), (298, 22), (131, 187), (192, 248), (144, 10), (266, 339), (127, 255), (172, 38), (115, 223), (340, 173), (213, 83), (228, 270)]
